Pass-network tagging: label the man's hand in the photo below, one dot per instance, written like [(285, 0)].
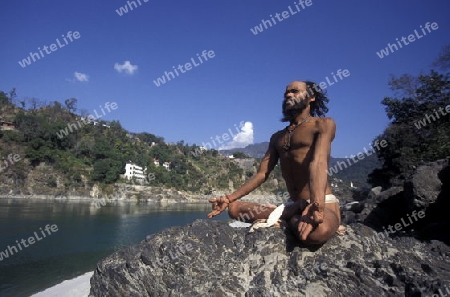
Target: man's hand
[(218, 205), (312, 216)]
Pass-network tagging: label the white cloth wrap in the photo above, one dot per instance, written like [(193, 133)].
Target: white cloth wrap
[(276, 214)]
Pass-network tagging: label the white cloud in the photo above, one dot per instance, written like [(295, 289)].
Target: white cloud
[(126, 67), (83, 77), (242, 139)]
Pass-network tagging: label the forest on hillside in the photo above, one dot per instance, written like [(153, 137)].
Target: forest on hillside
[(91, 152)]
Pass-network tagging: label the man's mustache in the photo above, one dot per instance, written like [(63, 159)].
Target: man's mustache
[(294, 103)]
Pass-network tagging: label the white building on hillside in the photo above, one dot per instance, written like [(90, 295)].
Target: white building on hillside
[(134, 171), (167, 165)]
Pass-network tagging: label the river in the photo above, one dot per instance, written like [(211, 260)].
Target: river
[(77, 236)]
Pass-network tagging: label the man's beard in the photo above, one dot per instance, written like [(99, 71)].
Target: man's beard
[(290, 113)]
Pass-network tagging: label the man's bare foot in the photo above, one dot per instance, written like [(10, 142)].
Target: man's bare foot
[(258, 224), (282, 224), (341, 230), (262, 223)]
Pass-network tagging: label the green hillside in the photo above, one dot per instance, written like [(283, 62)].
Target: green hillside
[(62, 152)]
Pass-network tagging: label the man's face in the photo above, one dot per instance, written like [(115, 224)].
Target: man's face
[(296, 96)]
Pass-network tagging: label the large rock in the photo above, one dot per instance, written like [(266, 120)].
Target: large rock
[(367, 210), (436, 224), (424, 191), (209, 258), (385, 209), (424, 186), (384, 195), (374, 192)]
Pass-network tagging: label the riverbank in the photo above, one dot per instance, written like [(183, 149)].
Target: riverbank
[(165, 196)]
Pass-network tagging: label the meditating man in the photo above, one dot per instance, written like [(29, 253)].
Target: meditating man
[(303, 149)]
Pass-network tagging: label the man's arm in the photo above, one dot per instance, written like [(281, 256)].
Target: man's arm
[(319, 165), (313, 214), (268, 162)]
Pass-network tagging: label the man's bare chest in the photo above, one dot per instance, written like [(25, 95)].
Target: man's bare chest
[(298, 140)]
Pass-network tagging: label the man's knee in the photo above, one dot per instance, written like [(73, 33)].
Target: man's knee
[(242, 212), (317, 236), (322, 234), (233, 210), (323, 231)]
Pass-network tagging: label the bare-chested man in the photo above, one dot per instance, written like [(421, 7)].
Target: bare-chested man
[(303, 149)]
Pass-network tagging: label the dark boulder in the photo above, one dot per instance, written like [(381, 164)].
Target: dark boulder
[(364, 202), (424, 186), (426, 190), (436, 224), (374, 192), (387, 209)]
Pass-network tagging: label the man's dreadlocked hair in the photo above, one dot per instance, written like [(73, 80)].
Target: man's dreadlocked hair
[(318, 106)]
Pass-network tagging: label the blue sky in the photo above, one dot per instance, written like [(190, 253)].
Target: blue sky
[(245, 79)]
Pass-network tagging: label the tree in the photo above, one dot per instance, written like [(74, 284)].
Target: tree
[(150, 138), (71, 104), (28, 125), (420, 127), (34, 103), (240, 155), (7, 99), (12, 95), (161, 152), (3, 98), (443, 60), (84, 113)]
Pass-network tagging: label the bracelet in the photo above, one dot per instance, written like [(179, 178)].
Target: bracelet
[(229, 200)]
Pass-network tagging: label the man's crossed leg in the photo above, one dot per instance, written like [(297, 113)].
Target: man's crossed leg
[(294, 214)]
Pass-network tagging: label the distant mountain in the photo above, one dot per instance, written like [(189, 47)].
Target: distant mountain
[(256, 150), (356, 172)]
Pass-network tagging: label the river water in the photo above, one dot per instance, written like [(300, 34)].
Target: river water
[(78, 235)]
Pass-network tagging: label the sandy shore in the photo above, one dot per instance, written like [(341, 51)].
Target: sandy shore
[(76, 287)]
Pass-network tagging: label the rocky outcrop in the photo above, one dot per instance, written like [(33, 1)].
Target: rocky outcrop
[(436, 224), (209, 258), (427, 189), (424, 186)]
